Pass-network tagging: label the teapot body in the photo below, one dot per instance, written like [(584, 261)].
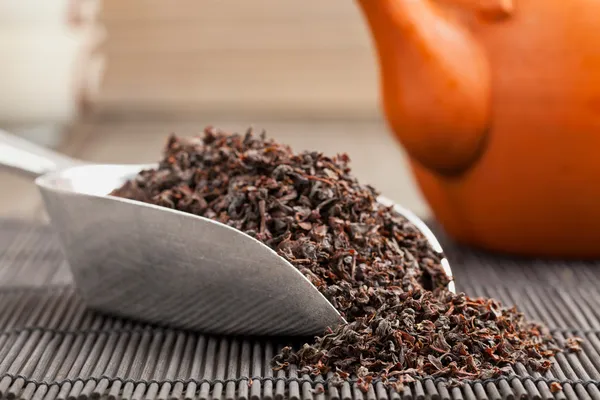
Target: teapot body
[(535, 188)]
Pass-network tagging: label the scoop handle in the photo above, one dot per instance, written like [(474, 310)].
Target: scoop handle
[(29, 159)]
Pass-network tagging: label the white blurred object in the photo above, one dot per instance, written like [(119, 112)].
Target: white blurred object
[(47, 12), (51, 64)]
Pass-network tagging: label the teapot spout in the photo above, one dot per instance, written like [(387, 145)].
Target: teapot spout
[(436, 83)]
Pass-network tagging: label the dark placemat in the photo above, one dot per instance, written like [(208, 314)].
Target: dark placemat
[(51, 347)]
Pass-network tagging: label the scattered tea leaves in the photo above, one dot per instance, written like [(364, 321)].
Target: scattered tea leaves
[(573, 344), (306, 206), (372, 264), (424, 333)]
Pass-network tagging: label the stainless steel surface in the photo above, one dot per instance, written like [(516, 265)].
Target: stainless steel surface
[(163, 266), (26, 158)]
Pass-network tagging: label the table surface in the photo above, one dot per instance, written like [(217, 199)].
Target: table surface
[(51, 347)]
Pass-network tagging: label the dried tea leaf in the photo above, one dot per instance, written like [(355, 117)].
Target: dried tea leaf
[(374, 266), (555, 387), (573, 344)]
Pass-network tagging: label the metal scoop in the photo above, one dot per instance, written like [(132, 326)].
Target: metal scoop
[(164, 266)]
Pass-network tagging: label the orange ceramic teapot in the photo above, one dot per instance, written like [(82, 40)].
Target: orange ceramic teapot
[(497, 103)]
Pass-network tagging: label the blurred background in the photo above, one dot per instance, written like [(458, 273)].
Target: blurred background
[(108, 80)]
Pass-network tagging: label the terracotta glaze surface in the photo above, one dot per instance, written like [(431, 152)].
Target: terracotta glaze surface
[(497, 103)]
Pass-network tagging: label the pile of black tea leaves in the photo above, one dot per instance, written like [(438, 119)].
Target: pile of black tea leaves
[(372, 264)]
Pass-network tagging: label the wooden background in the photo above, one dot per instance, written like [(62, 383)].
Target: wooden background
[(273, 58), (302, 69)]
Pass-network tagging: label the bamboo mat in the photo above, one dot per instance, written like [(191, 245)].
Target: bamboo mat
[(52, 348)]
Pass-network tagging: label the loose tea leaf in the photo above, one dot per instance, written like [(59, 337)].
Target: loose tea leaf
[(424, 333), (555, 387), (573, 344), (373, 265), (305, 206)]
